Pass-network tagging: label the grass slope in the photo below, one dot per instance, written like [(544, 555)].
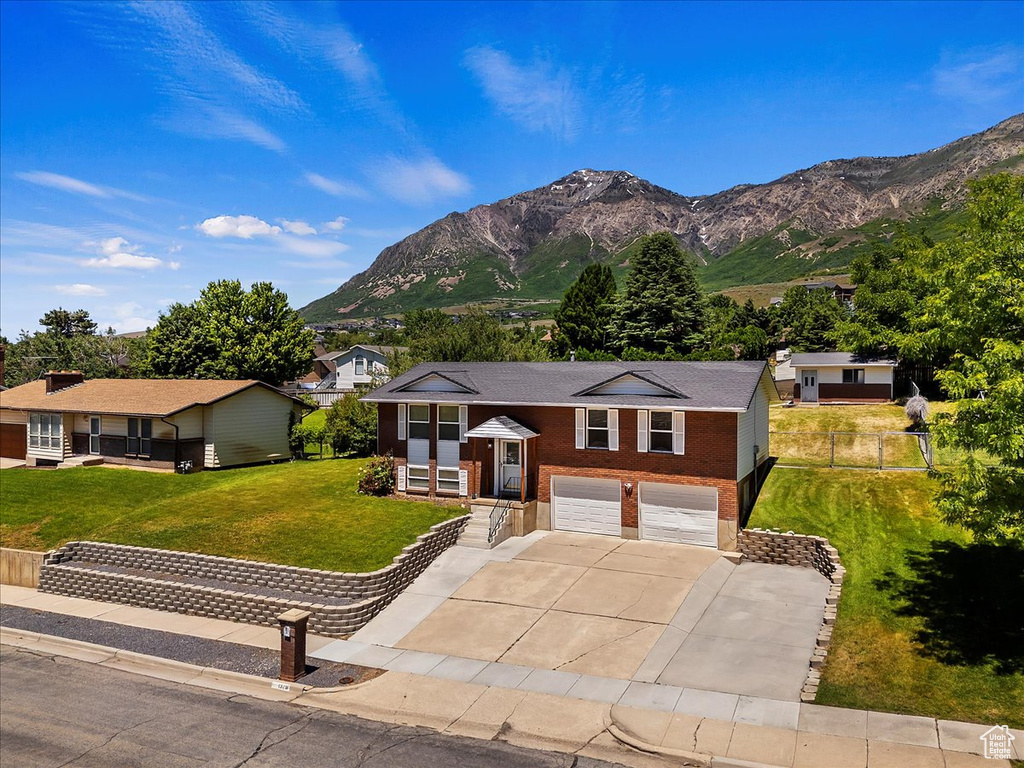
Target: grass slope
[(875, 520), (306, 514)]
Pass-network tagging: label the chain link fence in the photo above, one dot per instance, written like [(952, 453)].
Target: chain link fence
[(853, 450)]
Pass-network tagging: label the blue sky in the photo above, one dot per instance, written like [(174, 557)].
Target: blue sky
[(146, 149)]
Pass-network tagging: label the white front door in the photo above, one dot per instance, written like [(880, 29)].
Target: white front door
[(587, 505), (94, 435), (684, 514), (809, 386), (510, 474)]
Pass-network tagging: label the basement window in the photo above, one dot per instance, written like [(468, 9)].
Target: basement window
[(418, 478)]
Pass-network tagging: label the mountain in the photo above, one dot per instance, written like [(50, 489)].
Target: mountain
[(532, 245)]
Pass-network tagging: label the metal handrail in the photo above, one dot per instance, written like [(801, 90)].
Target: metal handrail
[(496, 518)]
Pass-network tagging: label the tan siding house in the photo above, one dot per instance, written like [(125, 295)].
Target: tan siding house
[(163, 423)]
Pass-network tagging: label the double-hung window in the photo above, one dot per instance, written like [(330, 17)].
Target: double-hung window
[(44, 430), (360, 366), (853, 375), (448, 422), (418, 478), (140, 437), (597, 428), (661, 431), (419, 422)]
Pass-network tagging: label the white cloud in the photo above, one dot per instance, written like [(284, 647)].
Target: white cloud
[(118, 253), (128, 317), (316, 249), (245, 227), (538, 95), (981, 75), (75, 186), (334, 187), (337, 225), (297, 227), (80, 289), (418, 182)]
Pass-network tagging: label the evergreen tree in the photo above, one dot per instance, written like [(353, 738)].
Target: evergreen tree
[(810, 318), (662, 309), (586, 310)]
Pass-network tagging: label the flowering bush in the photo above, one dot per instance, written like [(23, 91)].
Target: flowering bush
[(377, 476)]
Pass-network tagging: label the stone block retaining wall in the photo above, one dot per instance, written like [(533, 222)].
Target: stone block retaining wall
[(362, 595), (808, 552)]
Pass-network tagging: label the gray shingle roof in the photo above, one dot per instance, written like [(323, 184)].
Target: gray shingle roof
[(808, 359), (701, 385)]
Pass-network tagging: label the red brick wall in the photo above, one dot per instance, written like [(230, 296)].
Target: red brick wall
[(710, 458), (846, 392)]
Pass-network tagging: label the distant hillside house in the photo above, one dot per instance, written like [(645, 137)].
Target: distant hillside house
[(361, 365), (162, 423), (842, 377)]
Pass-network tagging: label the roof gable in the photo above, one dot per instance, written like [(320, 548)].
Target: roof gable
[(632, 383), (438, 382)]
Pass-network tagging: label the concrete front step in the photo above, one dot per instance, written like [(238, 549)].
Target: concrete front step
[(80, 461)]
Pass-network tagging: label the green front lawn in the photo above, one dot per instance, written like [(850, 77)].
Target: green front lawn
[(966, 599), (306, 514)]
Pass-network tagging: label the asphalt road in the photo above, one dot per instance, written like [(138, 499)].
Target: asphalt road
[(61, 712)]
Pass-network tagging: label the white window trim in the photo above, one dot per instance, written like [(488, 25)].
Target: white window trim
[(679, 432), (409, 479), (37, 432), (401, 421), (357, 362), (457, 480), (863, 375), (671, 430), (459, 421), (410, 421), (612, 429)]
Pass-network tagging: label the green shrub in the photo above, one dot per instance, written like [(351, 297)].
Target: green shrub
[(377, 476), (351, 426)]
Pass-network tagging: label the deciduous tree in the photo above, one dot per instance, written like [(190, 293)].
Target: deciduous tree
[(231, 333)]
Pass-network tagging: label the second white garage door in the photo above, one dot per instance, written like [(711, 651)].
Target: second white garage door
[(586, 505), (684, 514)]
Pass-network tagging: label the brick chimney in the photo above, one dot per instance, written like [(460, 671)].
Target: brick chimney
[(58, 380)]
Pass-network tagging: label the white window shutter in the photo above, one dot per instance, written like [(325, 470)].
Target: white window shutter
[(641, 431), (463, 483), (463, 424), (401, 477), (613, 430), (401, 421), (679, 432), (581, 428)]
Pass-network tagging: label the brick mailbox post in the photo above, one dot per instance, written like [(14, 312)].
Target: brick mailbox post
[(293, 644)]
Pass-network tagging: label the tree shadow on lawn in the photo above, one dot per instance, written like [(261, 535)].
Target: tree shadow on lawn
[(970, 600)]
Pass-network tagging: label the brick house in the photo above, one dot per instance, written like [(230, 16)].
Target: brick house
[(159, 423), (667, 451), (823, 377)]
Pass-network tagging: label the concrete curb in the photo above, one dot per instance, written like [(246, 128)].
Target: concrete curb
[(688, 758)]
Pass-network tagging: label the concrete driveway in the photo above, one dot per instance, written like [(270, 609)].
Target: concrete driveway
[(572, 602), (566, 605)]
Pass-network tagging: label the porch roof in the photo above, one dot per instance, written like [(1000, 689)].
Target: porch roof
[(502, 428)]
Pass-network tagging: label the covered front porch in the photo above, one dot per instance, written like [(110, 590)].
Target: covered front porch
[(504, 460)]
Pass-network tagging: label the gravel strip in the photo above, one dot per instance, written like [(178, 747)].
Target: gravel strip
[(201, 651), (231, 586)]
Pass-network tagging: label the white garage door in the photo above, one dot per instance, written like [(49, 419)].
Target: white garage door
[(586, 505), (684, 514)]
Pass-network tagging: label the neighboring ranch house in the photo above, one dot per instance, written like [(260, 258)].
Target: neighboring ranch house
[(666, 451), (362, 365), (162, 423), (823, 377)]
